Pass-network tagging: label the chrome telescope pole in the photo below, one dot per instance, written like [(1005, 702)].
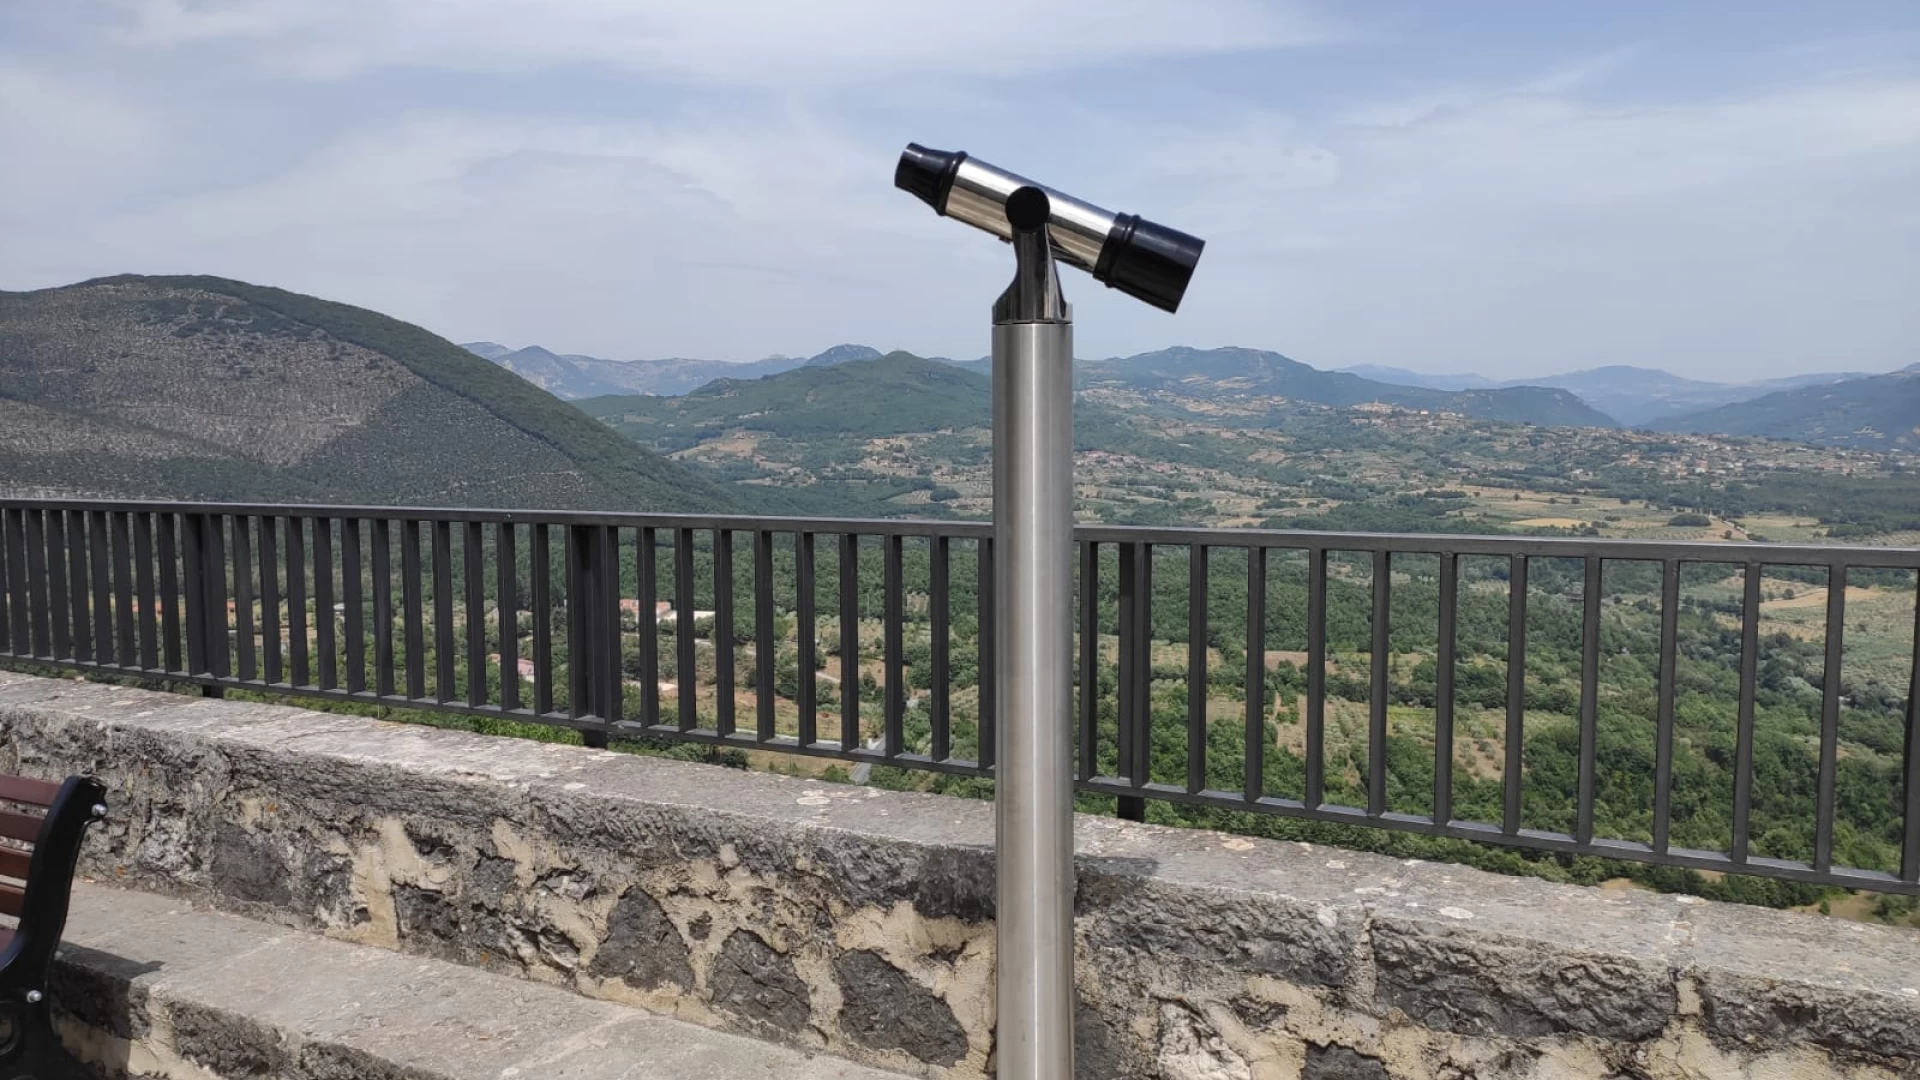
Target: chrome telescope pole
[(1033, 590), (1033, 562)]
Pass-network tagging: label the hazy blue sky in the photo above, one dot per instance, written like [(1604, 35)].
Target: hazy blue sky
[(1726, 190)]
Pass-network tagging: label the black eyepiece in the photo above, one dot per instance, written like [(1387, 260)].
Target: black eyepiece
[(928, 174), (1148, 262)]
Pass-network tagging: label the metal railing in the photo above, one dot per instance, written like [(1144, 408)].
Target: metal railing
[(301, 600)]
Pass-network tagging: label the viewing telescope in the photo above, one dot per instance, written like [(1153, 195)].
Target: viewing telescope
[(1032, 554), (1147, 261)]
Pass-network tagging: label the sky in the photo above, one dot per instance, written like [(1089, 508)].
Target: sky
[(1726, 190)]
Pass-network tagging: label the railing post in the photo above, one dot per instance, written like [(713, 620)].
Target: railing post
[(206, 595), (593, 626)]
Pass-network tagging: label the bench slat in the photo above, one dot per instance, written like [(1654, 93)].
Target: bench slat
[(25, 789), (13, 900), (15, 863), (19, 826)]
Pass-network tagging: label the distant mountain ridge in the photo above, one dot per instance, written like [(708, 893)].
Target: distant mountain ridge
[(1232, 372), (1635, 396), (867, 398), (1875, 412), (207, 388), (1402, 377), (573, 376)]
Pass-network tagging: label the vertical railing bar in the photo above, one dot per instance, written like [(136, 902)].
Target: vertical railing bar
[(1315, 793), (723, 650), (214, 581), (645, 556), (193, 537), (1141, 729), (37, 583), (19, 639), (540, 601), (850, 739), (270, 596), (1511, 779), (1444, 663), (36, 544), (243, 596), (1663, 733), (805, 693), (575, 550), (1589, 699), (1254, 783), (1830, 716), (894, 617), (413, 608), (19, 559), (169, 593), (1088, 758), (574, 553), (506, 611), (687, 687), (444, 652), (1910, 839), (612, 705), (474, 570), (100, 576), (764, 645), (940, 619), (1127, 588), (988, 661), (1382, 650), (67, 587), (8, 555), (149, 659), (1196, 668), (302, 673), (122, 545), (73, 526), (1744, 724), (540, 611), (382, 542), (354, 600), (324, 642)]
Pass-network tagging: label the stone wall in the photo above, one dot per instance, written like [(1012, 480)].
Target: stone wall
[(860, 922)]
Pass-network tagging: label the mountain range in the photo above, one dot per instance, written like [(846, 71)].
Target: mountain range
[(206, 388), (1217, 373), (1871, 412), (1234, 372), (1635, 396), (572, 376)]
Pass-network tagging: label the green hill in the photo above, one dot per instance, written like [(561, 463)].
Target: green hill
[(202, 387), (1232, 372), (895, 394), (1881, 411)]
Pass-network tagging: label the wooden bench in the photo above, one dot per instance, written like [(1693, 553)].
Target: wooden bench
[(37, 856)]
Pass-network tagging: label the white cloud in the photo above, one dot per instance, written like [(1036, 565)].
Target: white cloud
[(751, 42)]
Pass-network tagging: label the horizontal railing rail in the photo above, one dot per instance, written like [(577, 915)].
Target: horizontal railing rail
[(869, 641)]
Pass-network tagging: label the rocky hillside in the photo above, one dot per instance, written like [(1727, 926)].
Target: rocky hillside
[(201, 387)]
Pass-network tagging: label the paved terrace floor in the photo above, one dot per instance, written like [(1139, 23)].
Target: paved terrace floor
[(163, 990)]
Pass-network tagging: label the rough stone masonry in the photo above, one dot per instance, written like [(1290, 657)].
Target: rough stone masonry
[(859, 922)]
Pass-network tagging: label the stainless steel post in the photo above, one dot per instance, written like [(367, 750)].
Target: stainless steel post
[(1033, 583)]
